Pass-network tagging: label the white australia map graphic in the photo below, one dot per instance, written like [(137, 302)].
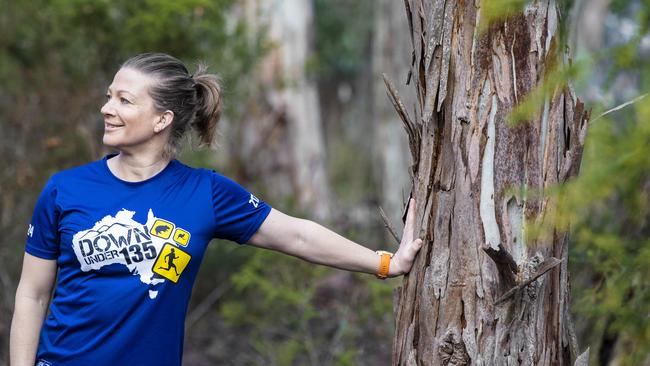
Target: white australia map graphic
[(122, 240)]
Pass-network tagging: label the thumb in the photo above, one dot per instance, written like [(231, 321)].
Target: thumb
[(418, 243)]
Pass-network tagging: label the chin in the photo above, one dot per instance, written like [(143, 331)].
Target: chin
[(109, 142)]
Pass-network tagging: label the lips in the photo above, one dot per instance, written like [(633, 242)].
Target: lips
[(111, 126)]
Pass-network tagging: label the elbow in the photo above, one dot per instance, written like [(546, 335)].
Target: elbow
[(301, 236), (26, 295)]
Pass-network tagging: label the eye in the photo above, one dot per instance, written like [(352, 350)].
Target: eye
[(125, 101)]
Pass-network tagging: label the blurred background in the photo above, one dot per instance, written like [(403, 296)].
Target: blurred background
[(308, 128)]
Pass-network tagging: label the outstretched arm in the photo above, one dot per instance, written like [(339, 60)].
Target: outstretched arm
[(314, 243)]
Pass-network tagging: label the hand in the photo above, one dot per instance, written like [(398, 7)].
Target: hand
[(402, 260)]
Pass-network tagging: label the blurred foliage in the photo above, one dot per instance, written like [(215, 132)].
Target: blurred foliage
[(294, 313), (86, 39), (351, 169), (497, 10), (342, 30), (609, 207)]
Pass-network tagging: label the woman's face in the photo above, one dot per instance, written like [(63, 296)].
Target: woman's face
[(129, 115)]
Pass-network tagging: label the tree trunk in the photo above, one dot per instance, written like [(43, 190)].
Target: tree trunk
[(291, 28), (283, 134), (481, 292)]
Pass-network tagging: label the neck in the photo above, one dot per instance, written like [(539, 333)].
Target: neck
[(136, 168)]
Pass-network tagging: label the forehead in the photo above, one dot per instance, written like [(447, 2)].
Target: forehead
[(132, 81)]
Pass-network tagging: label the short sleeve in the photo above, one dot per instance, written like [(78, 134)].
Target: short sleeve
[(43, 231), (237, 213)]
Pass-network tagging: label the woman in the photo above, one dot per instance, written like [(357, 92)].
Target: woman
[(127, 233)]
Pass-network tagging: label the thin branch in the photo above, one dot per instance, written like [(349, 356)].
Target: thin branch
[(620, 106), (388, 225), (411, 129), (398, 104)]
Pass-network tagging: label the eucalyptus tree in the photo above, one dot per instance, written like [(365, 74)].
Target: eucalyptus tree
[(483, 291)]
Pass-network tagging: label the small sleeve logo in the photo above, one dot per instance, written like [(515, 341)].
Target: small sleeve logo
[(254, 201), (30, 230)]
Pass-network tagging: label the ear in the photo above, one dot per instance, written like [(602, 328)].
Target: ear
[(164, 120)]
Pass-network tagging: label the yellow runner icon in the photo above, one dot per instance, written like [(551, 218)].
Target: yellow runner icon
[(171, 262)]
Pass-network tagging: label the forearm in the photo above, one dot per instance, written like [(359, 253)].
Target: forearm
[(314, 243), (318, 244), (26, 324)]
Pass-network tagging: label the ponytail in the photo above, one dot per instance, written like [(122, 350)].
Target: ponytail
[(208, 106)]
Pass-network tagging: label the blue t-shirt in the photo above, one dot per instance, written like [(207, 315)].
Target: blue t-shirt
[(127, 255)]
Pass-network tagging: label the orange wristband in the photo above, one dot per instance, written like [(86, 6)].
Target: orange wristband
[(384, 264)]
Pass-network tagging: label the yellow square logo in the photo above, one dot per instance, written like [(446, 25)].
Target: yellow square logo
[(181, 237), (162, 228), (171, 262)]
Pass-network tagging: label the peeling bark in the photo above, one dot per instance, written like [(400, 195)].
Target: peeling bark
[(477, 294)]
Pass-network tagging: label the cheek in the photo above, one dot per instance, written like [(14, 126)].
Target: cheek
[(137, 122)]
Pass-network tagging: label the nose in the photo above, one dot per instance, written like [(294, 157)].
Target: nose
[(107, 109)]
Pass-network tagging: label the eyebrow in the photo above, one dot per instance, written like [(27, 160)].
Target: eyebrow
[(121, 91)]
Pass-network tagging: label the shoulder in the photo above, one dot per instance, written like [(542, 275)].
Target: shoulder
[(75, 172), (203, 176), (63, 181), (187, 171), (178, 174), (69, 176), (204, 173), (220, 181)]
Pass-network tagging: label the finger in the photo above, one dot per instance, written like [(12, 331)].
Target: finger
[(417, 244), (410, 221), (410, 217)]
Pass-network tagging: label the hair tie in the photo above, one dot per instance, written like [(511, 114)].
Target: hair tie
[(194, 82)]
